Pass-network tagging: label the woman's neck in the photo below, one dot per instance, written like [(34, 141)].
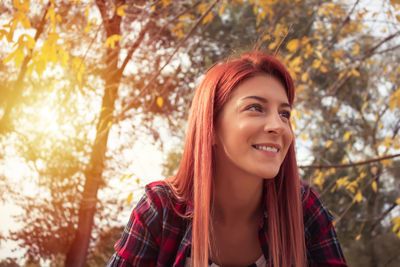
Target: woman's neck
[(237, 199)]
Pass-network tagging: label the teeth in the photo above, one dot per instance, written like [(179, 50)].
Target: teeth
[(267, 148)]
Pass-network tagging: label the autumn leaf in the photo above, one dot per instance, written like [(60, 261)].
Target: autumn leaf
[(123, 177), (394, 100), (356, 49), (328, 143), (355, 72), (293, 45), (358, 196), (201, 9), (319, 179), (110, 42), (207, 18), (222, 8), (341, 182), (347, 135), (166, 2), (18, 56), (121, 10), (396, 225), (387, 163), (398, 201), (79, 67), (137, 180), (184, 16), (178, 30), (316, 63), (358, 237), (374, 186), (160, 101), (304, 77), (23, 7), (129, 198)]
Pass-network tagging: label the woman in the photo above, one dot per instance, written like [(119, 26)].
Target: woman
[(236, 199)]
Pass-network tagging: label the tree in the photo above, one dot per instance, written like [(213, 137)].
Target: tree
[(329, 47)]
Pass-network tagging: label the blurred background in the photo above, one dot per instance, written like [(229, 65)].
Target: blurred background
[(94, 97)]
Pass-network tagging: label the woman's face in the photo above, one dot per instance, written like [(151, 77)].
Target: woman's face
[(253, 133)]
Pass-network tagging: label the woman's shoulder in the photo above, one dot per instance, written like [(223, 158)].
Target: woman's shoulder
[(313, 207), (161, 201)]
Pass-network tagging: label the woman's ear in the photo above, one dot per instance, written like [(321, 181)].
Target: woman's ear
[(214, 139)]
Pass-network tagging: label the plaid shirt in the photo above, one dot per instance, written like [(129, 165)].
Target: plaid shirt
[(157, 236)]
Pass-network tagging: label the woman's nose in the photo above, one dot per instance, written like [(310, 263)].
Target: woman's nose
[(273, 124)]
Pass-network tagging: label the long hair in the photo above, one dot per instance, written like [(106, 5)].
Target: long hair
[(193, 181)]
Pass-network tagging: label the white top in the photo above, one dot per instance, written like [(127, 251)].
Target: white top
[(261, 262)]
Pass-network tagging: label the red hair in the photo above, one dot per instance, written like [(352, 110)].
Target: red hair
[(194, 180)]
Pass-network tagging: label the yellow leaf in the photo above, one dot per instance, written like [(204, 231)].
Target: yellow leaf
[(387, 163), (358, 237), (304, 136), (358, 196), (347, 135), (165, 2), (23, 7), (355, 72), (110, 42), (348, 148), (177, 30), (184, 16), (328, 144), (300, 88), (394, 100), (356, 49), (123, 177), (316, 63), (323, 69), (18, 56), (202, 8), (342, 181), (129, 198), (388, 142), (396, 222), (121, 10), (398, 201), (222, 8), (160, 101), (319, 179), (208, 18), (137, 181), (374, 186), (304, 77), (293, 45)]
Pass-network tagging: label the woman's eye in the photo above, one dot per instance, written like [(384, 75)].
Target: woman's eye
[(255, 107), (285, 114)]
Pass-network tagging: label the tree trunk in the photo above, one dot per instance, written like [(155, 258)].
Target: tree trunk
[(76, 256)]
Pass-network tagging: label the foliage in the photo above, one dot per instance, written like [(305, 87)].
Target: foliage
[(72, 71)]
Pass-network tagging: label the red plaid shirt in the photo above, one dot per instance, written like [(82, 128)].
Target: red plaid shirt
[(157, 236)]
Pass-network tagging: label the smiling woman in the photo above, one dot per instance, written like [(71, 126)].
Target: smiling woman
[(236, 199)]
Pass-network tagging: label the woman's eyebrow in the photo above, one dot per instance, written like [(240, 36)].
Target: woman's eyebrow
[(264, 100), (259, 98)]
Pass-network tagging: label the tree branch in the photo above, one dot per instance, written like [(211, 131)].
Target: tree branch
[(336, 166), (146, 87)]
